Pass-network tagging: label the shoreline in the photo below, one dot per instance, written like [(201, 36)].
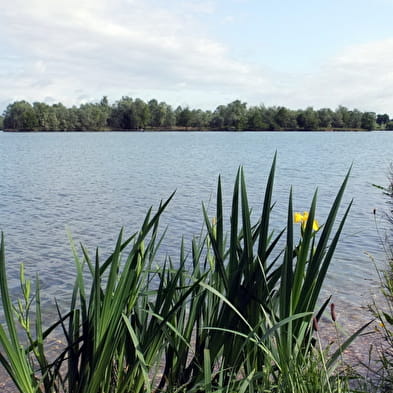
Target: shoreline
[(183, 130)]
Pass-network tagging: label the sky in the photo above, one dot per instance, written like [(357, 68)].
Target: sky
[(199, 54)]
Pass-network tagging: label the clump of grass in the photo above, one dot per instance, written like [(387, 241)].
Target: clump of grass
[(234, 315)]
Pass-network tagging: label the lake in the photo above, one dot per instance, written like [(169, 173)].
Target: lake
[(95, 183)]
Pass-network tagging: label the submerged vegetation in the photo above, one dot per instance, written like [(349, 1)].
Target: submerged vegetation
[(134, 114), (239, 312)]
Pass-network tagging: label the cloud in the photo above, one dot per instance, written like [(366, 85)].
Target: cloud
[(101, 46), (80, 50), (360, 76)]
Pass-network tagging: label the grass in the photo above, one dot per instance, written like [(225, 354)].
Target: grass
[(234, 315), (383, 309)]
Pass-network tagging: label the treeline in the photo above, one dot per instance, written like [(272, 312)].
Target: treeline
[(135, 114)]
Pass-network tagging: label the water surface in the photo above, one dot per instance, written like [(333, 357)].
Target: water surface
[(95, 183)]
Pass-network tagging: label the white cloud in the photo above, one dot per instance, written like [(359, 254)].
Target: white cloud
[(74, 50), (360, 76), (116, 44), (120, 48)]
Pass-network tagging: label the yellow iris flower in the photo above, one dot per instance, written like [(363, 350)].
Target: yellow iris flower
[(303, 218)]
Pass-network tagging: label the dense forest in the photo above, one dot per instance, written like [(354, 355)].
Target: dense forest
[(135, 114)]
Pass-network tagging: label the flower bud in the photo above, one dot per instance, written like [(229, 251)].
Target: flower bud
[(333, 312), (315, 324)]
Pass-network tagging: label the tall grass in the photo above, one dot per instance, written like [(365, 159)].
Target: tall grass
[(382, 309), (234, 314)]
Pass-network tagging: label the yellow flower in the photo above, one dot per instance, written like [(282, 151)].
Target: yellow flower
[(299, 218), (315, 225), (303, 218)]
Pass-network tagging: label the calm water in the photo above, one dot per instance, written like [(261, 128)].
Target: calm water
[(95, 183)]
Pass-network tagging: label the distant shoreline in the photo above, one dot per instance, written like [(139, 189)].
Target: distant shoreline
[(188, 129), (129, 114)]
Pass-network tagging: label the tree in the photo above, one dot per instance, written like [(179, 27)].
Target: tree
[(141, 114), (337, 121), (20, 115), (218, 118), (368, 121), (74, 118), (183, 117), (61, 113), (308, 119), (269, 117), (255, 119), (43, 114), (122, 114), (170, 117), (105, 111), (200, 118), (285, 118), (344, 116), (236, 115), (157, 113), (382, 120), (93, 116), (355, 119), (325, 117), (389, 126), (129, 113)]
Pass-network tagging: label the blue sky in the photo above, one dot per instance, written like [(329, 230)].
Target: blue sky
[(199, 53)]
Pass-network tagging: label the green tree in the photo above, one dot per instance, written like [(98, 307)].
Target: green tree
[(200, 118), (61, 113), (255, 120), (141, 114), (105, 111), (337, 121), (308, 119), (285, 118), (325, 117), (218, 118), (389, 126), (157, 113), (20, 115), (236, 115), (122, 114), (170, 117), (183, 117), (93, 117), (355, 119), (344, 114), (43, 115), (269, 117), (74, 118), (369, 121), (382, 120)]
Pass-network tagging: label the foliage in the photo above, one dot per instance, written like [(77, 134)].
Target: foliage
[(384, 314), (368, 121), (134, 114), (234, 315)]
